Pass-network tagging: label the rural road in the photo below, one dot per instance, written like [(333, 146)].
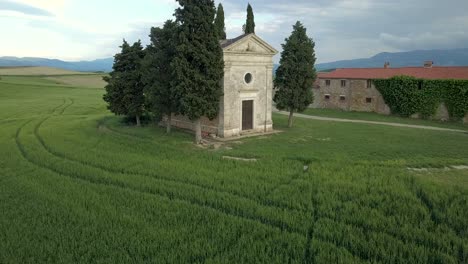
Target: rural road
[(372, 122)]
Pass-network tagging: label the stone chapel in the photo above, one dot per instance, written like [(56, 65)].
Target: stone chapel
[(246, 105)]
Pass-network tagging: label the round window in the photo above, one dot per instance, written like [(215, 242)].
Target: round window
[(248, 78)]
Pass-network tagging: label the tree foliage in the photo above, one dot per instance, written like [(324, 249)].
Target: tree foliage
[(250, 23), (157, 73), (219, 22), (296, 73), (408, 95), (124, 89), (198, 65)]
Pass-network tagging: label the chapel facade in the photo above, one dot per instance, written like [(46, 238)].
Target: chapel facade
[(246, 104)]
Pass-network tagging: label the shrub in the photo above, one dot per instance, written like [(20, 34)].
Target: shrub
[(408, 95)]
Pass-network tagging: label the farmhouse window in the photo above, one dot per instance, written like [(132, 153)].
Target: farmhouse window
[(343, 83), (342, 97), (327, 82), (368, 100), (327, 97), (369, 83)]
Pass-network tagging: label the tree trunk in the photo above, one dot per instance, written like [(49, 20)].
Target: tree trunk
[(138, 121), (198, 135), (168, 123), (290, 121)]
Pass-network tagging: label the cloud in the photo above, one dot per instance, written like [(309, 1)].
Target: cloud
[(341, 29), (347, 29), (26, 9)]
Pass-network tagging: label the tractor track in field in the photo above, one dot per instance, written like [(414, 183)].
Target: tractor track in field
[(307, 253), (115, 184), (264, 203), (294, 178), (158, 177), (349, 223), (226, 211), (279, 225), (67, 106), (58, 107)]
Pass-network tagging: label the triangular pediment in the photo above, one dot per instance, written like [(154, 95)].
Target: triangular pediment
[(250, 43)]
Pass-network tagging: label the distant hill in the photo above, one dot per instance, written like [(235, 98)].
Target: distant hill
[(104, 65), (37, 70), (454, 57)]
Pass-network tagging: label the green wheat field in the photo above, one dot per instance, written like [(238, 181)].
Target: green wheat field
[(79, 185)]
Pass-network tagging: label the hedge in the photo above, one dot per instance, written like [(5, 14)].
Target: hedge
[(408, 95)]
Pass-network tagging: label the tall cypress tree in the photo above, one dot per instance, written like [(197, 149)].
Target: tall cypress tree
[(219, 22), (124, 89), (296, 74), (157, 71), (115, 87), (134, 95), (198, 66), (250, 23)]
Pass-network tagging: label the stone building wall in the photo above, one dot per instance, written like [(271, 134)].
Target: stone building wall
[(236, 90), (353, 96), (357, 94)]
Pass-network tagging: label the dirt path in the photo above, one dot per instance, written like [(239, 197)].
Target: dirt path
[(372, 122)]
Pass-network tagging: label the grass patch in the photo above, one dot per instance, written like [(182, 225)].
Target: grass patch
[(78, 185), (369, 116)]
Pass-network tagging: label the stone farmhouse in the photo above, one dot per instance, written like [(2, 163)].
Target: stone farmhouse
[(246, 105), (352, 89)]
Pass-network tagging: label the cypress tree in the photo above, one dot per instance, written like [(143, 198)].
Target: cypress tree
[(250, 23), (219, 22), (198, 65), (134, 96), (157, 72), (115, 87), (296, 73), (124, 89)]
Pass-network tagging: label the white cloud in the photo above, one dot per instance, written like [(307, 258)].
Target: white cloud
[(53, 6), (342, 29)]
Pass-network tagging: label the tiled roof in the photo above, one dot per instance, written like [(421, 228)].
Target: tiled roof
[(435, 72), (228, 42)]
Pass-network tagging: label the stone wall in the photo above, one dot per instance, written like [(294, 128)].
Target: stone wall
[(353, 96), (356, 94), (180, 121), (442, 113)]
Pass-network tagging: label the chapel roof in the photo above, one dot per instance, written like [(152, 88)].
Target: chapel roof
[(229, 45), (227, 42)]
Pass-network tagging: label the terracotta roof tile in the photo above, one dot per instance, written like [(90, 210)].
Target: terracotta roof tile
[(436, 72)]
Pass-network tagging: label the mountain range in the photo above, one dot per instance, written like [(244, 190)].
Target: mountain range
[(452, 57), (99, 65)]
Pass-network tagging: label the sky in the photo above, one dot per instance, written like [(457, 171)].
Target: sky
[(341, 29)]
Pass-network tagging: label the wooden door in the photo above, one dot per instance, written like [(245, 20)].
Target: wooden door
[(247, 115)]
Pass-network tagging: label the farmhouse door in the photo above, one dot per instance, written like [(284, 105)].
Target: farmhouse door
[(247, 115)]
